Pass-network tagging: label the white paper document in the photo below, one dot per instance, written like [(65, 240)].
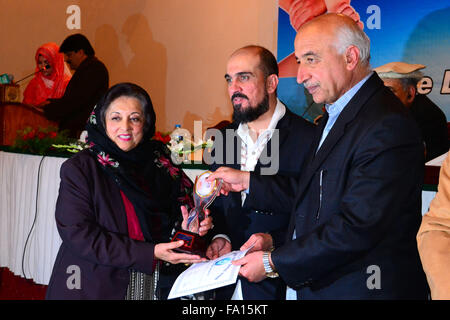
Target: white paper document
[(437, 162), (207, 275)]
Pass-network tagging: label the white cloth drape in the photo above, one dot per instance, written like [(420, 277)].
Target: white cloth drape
[(19, 208)]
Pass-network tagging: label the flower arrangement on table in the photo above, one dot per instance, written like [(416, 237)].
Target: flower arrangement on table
[(48, 141), (40, 141), (185, 150)]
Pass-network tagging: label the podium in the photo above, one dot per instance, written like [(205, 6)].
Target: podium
[(18, 116), (9, 93)]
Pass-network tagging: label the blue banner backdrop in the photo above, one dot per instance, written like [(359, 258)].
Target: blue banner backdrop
[(415, 31)]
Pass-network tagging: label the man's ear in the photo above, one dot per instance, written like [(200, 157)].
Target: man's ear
[(272, 83), (351, 57), (411, 94)]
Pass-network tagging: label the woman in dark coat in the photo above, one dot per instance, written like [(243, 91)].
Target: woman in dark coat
[(119, 201)]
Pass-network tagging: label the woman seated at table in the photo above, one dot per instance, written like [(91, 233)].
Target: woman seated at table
[(118, 203), (51, 78)]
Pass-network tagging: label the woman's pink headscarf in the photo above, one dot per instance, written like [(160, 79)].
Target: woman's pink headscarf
[(39, 90)]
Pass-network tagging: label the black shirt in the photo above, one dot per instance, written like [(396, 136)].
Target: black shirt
[(89, 82), (433, 126)]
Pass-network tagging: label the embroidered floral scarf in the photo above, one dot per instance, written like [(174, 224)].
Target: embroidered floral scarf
[(153, 184)]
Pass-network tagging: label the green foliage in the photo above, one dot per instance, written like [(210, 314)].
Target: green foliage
[(40, 141)]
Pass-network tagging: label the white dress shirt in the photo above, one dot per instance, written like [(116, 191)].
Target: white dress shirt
[(250, 152)]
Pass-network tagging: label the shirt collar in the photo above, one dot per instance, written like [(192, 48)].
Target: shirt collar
[(279, 112), (338, 106)]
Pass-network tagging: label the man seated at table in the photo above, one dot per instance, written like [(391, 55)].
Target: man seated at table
[(402, 79), (89, 82)]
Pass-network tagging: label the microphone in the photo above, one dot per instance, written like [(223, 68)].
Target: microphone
[(46, 67)]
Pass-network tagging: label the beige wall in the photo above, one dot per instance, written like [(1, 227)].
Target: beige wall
[(176, 49)]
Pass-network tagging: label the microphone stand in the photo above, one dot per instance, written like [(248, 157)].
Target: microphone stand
[(40, 70)]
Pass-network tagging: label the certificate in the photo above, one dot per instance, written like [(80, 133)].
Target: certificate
[(207, 275), (437, 162)]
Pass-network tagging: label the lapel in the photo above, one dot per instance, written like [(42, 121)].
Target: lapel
[(283, 125), (317, 135), (347, 115), (236, 154), (236, 141)]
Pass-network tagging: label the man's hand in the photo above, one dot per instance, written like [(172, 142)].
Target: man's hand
[(205, 225), (218, 248), (233, 180), (345, 8), (259, 241), (252, 266), (301, 11)]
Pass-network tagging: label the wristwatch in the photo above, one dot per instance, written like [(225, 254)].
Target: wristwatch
[(271, 273)]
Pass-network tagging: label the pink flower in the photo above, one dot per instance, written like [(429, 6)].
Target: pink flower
[(185, 182), (104, 159), (167, 164)]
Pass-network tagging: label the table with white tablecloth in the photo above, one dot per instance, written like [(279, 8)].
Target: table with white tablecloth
[(29, 239)]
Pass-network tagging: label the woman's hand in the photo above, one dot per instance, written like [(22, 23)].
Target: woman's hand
[(164, 251), (38, 109), (218, 248), (40, 106), (205, 225)]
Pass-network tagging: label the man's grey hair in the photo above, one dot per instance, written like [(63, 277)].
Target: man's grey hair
[(348, 35)]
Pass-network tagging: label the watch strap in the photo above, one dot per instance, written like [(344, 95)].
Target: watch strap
[(270, 272)]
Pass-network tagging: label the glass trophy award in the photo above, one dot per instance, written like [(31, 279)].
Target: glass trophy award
[(204, 194)]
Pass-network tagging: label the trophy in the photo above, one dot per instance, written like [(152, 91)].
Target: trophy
[(204, 194)]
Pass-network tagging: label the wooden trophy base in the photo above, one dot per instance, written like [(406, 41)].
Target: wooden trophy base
[(193, 243)]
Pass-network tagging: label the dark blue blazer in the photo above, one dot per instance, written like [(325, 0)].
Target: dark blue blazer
[(239, 223), (357, 207)]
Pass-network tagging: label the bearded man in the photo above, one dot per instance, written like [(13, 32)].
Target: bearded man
[(265, 138)]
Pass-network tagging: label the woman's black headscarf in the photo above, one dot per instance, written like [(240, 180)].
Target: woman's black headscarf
[(145, 174)]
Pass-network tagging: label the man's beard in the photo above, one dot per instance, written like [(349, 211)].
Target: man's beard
[(250, 113)]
